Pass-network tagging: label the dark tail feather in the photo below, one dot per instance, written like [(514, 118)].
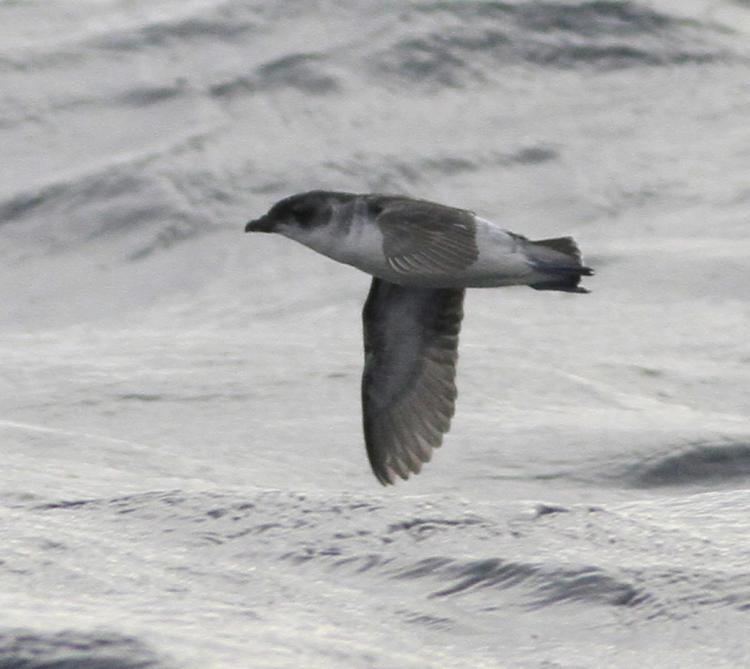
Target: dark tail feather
[(565, 245), (559, 259), (569, 285)]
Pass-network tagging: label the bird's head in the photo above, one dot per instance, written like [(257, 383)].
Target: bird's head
[(295, 215)]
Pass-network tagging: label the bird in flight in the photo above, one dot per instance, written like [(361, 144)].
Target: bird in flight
[(422, 256)]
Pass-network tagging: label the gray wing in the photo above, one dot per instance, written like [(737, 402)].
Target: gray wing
[(408, 385), (425, 237)]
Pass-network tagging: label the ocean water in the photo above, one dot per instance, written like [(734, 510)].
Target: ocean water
[(184, 482)]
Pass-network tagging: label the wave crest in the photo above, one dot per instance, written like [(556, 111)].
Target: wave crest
[(697, 464)]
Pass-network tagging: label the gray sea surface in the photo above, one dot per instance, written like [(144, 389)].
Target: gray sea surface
[(184, 482)]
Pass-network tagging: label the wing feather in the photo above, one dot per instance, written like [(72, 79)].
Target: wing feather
[(426, 238), (408, 385)]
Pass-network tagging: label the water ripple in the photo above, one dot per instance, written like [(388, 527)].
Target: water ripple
[(26, 649)]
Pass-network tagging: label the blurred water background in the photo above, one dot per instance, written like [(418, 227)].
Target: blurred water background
[(183, 477)]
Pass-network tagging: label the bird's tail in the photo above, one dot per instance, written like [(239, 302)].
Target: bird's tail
[(558, 264)]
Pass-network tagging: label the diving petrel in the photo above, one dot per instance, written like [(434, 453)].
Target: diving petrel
[(422, 255)]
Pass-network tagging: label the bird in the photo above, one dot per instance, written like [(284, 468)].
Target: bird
[(422, 256)]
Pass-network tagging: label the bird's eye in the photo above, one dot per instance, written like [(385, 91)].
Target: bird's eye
[(303, 214)]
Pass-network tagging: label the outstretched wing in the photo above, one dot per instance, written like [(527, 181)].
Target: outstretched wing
[(408, 385), (425, 237)]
